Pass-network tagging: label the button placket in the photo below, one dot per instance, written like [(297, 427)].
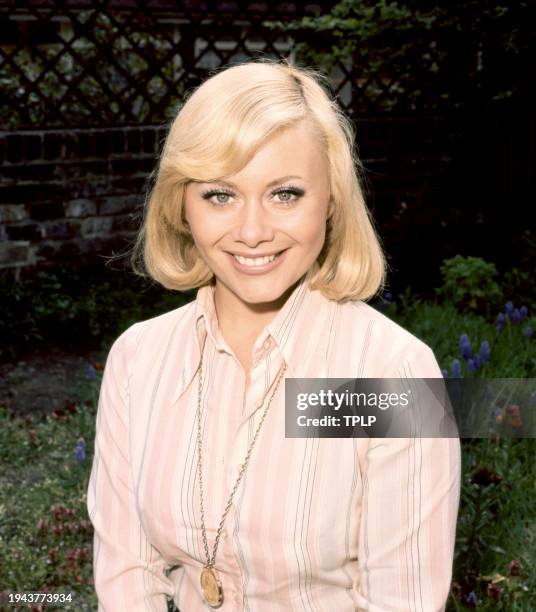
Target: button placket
[(237, 449), (255, 394), (250, 417), (261, 352)]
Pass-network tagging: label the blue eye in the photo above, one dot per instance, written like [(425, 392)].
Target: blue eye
[(207, 195), (293, 191), (297, 192)]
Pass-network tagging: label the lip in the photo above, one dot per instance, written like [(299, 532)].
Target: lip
[(256, 254), (254, 270)]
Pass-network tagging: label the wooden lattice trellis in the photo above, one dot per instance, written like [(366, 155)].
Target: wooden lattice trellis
[(122, 62)]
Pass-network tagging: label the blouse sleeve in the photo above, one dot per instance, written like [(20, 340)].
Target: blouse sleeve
[(128, 571), (411, 492)]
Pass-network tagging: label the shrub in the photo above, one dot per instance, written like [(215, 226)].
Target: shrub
[(73, 308), (468, 282)]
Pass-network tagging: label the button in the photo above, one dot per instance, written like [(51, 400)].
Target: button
[(224, 534), (267, 343), (259, 403)]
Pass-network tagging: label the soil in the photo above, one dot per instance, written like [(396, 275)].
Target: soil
[(45, 380)]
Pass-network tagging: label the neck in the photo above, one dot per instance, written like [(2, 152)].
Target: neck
[(249, 319)]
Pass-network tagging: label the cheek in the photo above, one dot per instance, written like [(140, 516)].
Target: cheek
[(311, 230), (205, 232)]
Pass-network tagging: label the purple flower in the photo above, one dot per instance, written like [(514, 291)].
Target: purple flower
[(456, 368), (445, 373), (509, 307), (465, 346), (533, 397), (388, 296), (527, 331), (471, 599), (515, 316), (499, 327), (471, 365), (501, 317), (524, 311), (484, 351), (80, 450), (478, 360), (91, 372)]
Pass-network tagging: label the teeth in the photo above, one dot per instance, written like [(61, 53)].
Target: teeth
[(254, 261)]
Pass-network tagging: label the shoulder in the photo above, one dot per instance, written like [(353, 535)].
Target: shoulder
[(360, 313), (148, 336), (389, 345)]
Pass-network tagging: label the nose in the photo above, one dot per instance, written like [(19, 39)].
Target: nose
[(253, 225)]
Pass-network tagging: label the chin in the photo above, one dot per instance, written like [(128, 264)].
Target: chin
[(260, 291), (262, 296)]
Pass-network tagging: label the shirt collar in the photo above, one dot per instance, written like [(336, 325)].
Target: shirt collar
[(291, 326)]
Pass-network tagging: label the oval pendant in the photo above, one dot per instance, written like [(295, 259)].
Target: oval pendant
[(211, 587)]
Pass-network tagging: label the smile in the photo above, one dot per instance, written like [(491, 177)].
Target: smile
[(255, 261), (256, 265)]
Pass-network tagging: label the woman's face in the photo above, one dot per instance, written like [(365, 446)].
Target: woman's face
[(276, 205)]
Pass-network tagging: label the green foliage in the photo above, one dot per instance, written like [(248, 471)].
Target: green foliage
[(402, 55), (73, 308), (495, 539), (495, 548), (46, 536), (512, 354), (468, 282), (103, 79), (518, 281), (419, 57), (45, 533)]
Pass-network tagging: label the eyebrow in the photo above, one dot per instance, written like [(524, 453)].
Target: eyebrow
[(270, 184)]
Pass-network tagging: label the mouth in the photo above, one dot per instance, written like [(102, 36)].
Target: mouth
[(256, 264), (256, 261)]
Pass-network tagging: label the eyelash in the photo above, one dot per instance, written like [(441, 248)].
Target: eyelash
[(296, 191)]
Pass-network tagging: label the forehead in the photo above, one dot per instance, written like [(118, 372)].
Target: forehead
[(293, 151)]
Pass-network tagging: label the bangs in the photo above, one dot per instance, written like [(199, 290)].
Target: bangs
[(224, 123)]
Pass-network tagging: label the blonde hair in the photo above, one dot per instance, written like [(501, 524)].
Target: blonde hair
[(215, 133)]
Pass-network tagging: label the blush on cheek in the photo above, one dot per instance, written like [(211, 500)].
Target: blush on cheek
[(318, 237)]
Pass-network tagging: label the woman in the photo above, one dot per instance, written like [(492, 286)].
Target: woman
[(195, 494)]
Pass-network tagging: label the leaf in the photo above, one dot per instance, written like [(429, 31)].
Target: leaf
[(498, 549), (494, 578)]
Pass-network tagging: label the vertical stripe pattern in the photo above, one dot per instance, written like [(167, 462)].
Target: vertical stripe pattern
[(317, 524)]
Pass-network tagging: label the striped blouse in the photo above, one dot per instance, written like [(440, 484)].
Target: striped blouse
[(317, 524)]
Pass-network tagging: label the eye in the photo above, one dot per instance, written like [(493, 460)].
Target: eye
[(288, 195), (208, 195), (289, 191)]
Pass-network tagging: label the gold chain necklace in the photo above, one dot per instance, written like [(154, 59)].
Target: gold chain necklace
[(211, 587)]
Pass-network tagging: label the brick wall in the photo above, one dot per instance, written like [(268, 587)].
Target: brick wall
[(435, 184), (72, 195)]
